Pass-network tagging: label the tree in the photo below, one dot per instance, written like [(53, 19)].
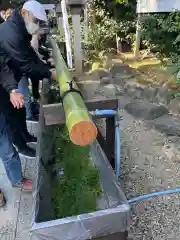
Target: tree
[(161, 34)]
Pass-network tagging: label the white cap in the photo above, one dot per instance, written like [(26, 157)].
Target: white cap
[(36, 9)]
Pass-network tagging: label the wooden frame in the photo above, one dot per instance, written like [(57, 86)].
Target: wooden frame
[(54, 114)]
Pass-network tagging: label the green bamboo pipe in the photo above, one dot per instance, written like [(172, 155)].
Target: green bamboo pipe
[(82, 130)]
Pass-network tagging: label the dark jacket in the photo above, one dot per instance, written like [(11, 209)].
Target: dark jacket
[(6, 76), (1, 20), (20, 56)]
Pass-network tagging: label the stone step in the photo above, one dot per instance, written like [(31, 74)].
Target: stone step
[(17, 214), (24, 216), (28, 163), (145, 110), (33, 127)]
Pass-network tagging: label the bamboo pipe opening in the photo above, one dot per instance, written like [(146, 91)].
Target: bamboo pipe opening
[(83, 133)]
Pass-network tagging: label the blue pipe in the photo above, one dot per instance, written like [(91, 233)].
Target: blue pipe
[(105, 112), (118, 160), (117, 138), (118, 151), (150, 195)]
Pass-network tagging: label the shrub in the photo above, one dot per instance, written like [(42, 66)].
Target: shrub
[(161, 34)]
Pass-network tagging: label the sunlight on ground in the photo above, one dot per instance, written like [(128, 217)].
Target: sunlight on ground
[(129, 59), (147, 70), (150, 70)]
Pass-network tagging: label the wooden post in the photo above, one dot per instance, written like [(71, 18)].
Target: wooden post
[(118, 44), (110, 139), (77, 39), (138, 38), (76, 7), (44, 100), (86, 22), (60, 20)]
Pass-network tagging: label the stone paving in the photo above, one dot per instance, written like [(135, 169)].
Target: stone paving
[(16, 216)]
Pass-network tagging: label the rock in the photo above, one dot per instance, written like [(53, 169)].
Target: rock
[(173, 139), (123, 101), (100, 73), (87, 66), (167, 124), (174, 105), (122, 79), (88, 87), (164, 95), (110, 90), (119, 91), (124, 76), (106, 80), (145, 110), (134, 89), (86, 77), (150, 93), (118, 68)]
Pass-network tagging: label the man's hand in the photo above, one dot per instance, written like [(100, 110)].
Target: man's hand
[(53, 75), (17, 99), (51, 61)]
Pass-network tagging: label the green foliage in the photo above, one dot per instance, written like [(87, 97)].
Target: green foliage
[(102, 33), (160, 33), (109, 19), (75, 191)]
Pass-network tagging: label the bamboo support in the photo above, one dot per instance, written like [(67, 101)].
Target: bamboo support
[(82, 130)]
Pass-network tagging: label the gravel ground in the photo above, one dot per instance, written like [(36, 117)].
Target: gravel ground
[(146, 167), (150, 163)]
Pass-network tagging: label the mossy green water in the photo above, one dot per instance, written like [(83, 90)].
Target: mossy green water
[(77, 185)]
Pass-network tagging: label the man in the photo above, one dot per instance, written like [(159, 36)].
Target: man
[(18, 138), (3, 14), (8, 13), (1, 19), (32, 111), (8, 153), (22, 59), (16, 38)]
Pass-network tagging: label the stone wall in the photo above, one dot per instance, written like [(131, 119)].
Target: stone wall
[(121, 80)]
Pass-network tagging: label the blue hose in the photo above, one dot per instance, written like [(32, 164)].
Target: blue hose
[(105, 112), (118, 151), (117, 139), (118, 161), (150, 195)]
